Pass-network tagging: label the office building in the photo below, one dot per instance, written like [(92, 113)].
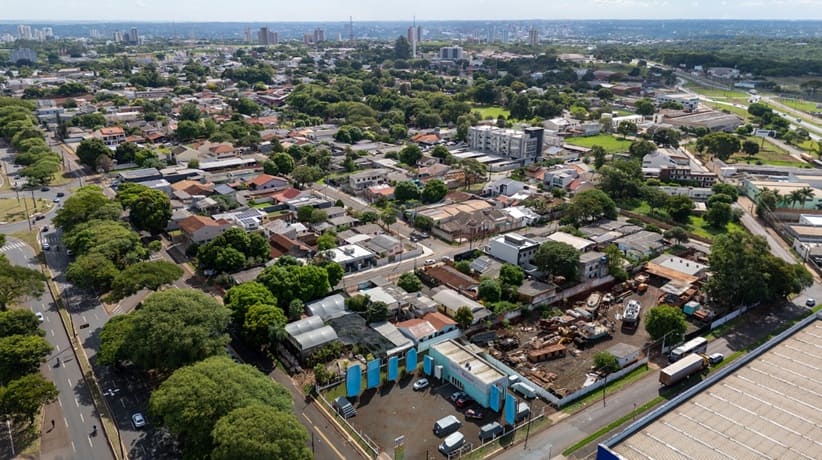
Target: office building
[(262, 36), (117, 37), (134, 37), (319, 35), (533, 37), (451, 53), (525, 145)]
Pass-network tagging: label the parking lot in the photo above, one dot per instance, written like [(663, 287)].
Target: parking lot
[(395, 410)]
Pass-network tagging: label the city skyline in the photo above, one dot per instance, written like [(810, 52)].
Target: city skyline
[(424, 10)]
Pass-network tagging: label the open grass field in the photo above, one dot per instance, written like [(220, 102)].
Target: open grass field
[(610, 143), (491, 112), (769, 154), (719, 94), (13, 211), (801, 104), (700, 228), (728, 108)]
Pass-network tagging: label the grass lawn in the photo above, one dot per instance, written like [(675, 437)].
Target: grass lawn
[(800, 104), (715, 93), (700, 228), (610, 143), (769, 154), (13, 211), (491, 111), (729, 108)]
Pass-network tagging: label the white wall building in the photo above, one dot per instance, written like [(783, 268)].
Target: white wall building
[(513, 248)]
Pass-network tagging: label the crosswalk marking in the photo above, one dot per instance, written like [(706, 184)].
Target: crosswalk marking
[(12, 245)]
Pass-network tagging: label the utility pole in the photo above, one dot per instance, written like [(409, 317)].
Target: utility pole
[(11, 438)]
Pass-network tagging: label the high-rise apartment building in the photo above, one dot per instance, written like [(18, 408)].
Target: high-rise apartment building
[(319, 35), (24, 32), (134, 37), (262, 36), (524, 146), (451, 53), (533, 37)]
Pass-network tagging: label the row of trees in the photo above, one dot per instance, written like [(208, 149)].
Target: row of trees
[(19, 127)]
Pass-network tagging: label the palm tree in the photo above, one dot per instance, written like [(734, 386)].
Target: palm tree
[(794, 197), (806, 194)]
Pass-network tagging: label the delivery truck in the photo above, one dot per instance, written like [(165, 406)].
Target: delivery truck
[(682, 369)]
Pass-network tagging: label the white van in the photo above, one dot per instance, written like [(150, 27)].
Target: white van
[(452, 443), (525, 390), (490, 431), (446, 425)]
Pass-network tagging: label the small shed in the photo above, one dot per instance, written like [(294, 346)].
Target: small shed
[(624, 353)]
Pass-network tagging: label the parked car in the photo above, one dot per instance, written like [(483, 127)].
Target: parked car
[(56, 200), (464, 401), (475, 414), (715, 358), (810, 302), (420, 384), (40, 316), (456, 395), (430, 261), (138, 419), (60, 194), (44, 189), (46, 246)]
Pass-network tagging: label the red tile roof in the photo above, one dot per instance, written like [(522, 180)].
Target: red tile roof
[(262, 179), (191, 224), (438, 320)]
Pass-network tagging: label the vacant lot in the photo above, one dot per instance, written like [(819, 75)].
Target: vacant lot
[(610, 143), (801, 104), (491, 111), (769, 154)]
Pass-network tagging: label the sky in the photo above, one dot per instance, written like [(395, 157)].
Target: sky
[(375, 10)]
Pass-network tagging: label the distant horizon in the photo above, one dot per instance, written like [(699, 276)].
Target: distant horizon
[(366, 21), (425, 10)]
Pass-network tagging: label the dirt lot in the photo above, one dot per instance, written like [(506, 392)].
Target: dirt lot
[(397, 410), (571, 369)]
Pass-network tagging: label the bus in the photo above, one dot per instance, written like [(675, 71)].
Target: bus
[(695, 345)]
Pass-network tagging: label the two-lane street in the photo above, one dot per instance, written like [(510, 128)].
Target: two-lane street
[(74, 412)]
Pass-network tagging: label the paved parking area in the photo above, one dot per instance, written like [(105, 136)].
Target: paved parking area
[(397, 410)]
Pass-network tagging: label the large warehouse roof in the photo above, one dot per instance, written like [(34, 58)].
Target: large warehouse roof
[(765, 406)]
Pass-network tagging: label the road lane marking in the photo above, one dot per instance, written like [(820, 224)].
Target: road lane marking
[(76, 402), (65, 421), (84, 318), (69, 381), (73, 447), (96, 317), (82, 419), (48, 320), (60, 402), (327, 441), (123, 403), (58, 348), (52, 332), (89, 442)]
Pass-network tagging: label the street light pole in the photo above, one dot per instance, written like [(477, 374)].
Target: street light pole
[(11, 438)]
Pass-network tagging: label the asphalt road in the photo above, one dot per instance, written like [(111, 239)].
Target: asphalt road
[(74, 408)]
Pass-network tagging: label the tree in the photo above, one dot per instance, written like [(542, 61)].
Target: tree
[(21, 355), (259, 319), (719, 198), (423, 222), (557, 259), (305, 174), (490, 290), (326, 241), (464, 317), (640, 148), (590, 205), (645, 107), (187, 130), (406, 191), (194, 399), (409, 282), (90, 150), (718, 215), (665, 320), (284, 162), (750, 147), (22, 398), (722, 145), (616, 266), (627, 128), (599, 156), (767, 202), (511, 275), (144, 275), (678, 234), (656, 198), (680, 207), (388, 217), (190, 112), (519, 107), (440, 151), (17, 282), (376, 312), (172, 329), (473, 170), (239, 298), (126, 152), (150, 211), (667, 137), (113, 240), (304, 282), (358, 303), (605, 361), (269, 167), (259, 432), (410, 154), (85, 204), (744, 271), (726, 189), (18, 322), (434, 191), (463, 266)]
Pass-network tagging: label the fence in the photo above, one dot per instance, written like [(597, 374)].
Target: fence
[(363, 438), (600, 383), (732, 315)]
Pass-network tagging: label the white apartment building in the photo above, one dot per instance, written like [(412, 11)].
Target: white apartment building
[(513, 248), (525, 145)]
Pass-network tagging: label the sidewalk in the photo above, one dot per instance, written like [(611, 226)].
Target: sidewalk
[(54, 442)]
